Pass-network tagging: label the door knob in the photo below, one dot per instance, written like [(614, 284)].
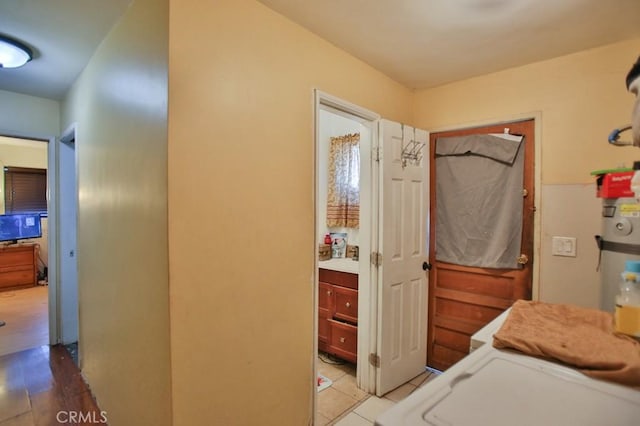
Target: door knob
[(426, 266), (523, 259)]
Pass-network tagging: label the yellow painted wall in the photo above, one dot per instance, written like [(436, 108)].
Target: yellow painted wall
[(241, 224), (120, 106), (582, 97)]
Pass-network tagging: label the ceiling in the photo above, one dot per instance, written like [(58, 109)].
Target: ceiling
[(426, 43), (63, 34), (419, 43)]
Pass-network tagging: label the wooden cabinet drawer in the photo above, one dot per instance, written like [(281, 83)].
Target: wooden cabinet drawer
[(17, 266), (16, 256), (344, 279), (343, 340), (17, 278), (346, 304)]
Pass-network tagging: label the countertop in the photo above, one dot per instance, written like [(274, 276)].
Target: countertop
[(342, 265)]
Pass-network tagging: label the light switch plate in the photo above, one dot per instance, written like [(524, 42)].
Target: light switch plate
[(563, 246)]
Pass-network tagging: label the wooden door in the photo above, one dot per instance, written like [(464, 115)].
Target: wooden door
[(402, 300), (463, 299)]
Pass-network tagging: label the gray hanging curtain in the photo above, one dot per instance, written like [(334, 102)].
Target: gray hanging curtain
[(479, 182)]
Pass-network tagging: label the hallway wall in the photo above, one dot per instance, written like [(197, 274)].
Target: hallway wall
[(241, 206), (120, 105), (28, 115)]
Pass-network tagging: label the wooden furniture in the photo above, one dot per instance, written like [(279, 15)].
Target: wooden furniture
[(338, 314), (18, 266)]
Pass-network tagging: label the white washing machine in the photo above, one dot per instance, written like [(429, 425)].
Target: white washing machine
[(498, 387)]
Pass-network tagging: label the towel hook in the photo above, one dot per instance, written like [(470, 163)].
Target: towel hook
[(412, 152)]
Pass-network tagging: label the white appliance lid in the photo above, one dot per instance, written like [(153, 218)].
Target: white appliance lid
[(492, 387)]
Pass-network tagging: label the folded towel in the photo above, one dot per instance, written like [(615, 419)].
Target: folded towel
[(580, 337)]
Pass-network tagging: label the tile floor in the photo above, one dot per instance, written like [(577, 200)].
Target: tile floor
[(343, 404)]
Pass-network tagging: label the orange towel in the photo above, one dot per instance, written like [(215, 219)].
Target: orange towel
[(580, 337)]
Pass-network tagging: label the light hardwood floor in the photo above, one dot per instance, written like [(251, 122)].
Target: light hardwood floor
[(42, 386), (25, 313)]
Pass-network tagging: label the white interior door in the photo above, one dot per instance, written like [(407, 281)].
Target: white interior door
[(402, 283)]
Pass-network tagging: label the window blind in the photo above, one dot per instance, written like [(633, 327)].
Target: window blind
[(25, 190)]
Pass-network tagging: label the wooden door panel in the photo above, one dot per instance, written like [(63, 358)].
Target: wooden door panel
[(463, 325), (474, 280), (472, 299), (452, 339), (443, 357), (463, 299), (453, 308)]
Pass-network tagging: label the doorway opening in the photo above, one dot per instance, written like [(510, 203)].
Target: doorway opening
[(344, 290), (24, 246), (463, 296), (372, 315), (57, 178)]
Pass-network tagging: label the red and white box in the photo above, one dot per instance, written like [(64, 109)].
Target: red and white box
[(615, 185)]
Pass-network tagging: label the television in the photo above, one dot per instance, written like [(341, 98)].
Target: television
[(14, 227)]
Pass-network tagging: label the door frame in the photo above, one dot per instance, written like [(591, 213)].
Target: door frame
[(536, 116), (367, 287), (52, 229), (67, 320)]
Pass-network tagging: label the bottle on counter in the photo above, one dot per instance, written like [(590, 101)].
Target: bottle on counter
[(627, 313), (327, 239), (635, 179)]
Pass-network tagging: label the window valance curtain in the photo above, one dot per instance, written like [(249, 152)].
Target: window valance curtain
[(343, 200)]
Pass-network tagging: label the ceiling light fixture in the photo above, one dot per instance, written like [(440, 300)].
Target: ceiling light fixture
[(13, 54)]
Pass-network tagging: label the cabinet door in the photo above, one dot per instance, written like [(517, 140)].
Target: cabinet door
[(325, 296), (346, 304), (325, 303)]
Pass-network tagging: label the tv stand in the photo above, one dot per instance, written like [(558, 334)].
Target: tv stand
[(18, 266)]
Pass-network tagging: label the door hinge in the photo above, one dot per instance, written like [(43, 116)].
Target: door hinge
[(376, 258), (376, 153), (374, 359)]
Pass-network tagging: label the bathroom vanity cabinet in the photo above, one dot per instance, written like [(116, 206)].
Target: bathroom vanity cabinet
[(338, 314)]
